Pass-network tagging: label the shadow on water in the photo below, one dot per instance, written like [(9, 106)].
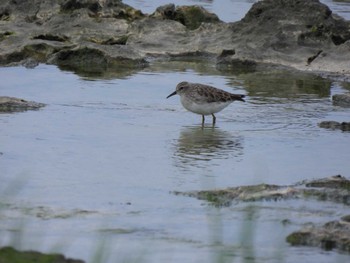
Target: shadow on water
[(199, 146), (94, 73), (201, 65), (285, 84), (268, 82)]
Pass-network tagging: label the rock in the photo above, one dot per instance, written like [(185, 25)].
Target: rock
[(193, 16), (305, 36), (345, 219), (190, 16), (71, 5), (336, 181), (157, 37), (334, 125), (342, 100), (225, 197), (54, 31), (30, 63), (4, 35), (334, 188), (10, 255), (94, 59), (10, 104), (332, 235), (165, 12)]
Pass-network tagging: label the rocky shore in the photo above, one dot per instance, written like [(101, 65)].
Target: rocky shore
[(96, 35), (331, 235)]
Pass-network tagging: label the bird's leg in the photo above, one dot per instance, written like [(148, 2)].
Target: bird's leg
[(203, 119), (214, 118)]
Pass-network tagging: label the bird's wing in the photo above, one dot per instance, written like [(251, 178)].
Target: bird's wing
[(218, 95)]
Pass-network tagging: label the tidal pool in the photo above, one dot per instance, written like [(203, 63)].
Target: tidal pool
[(91, 174)]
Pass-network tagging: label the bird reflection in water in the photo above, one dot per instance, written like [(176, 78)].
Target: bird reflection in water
[(200, 146)]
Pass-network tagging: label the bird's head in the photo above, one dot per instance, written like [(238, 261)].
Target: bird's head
[(180, 89)]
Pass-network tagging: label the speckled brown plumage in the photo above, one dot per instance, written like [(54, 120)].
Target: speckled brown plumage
[(207, 93)]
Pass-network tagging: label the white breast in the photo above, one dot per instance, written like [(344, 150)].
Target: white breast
[(203, 108)]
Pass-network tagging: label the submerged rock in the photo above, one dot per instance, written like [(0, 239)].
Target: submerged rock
[(332, 235), (342, 100), (224, 197), (334, 125), (334, 188), (11, 104), (11, 255), (336, 181)]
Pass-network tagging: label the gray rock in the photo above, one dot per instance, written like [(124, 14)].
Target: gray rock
[(334, 125), (11, 104), (342, 100), (336, 181), (299, 34), (334, 188), (93, 58), (225, 197), (332, 235), (73, 32), (190, 16), (193, 16), (165, 12)]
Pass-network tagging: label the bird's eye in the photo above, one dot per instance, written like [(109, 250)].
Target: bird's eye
[(181, 88)]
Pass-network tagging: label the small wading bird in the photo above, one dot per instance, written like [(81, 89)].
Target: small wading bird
[(204, 99)]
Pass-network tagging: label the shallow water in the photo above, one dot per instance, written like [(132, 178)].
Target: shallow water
[(91, 174)]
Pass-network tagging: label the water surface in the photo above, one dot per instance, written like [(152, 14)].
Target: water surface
[(91, 174)]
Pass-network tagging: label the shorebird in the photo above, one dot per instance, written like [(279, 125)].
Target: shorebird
[(204, 99)]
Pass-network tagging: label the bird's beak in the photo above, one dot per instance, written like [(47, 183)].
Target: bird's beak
[(172, 94)]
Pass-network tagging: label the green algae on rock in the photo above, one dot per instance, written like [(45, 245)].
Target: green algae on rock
[(11, 255), (332, 235), (250, 193), (334, 188)]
